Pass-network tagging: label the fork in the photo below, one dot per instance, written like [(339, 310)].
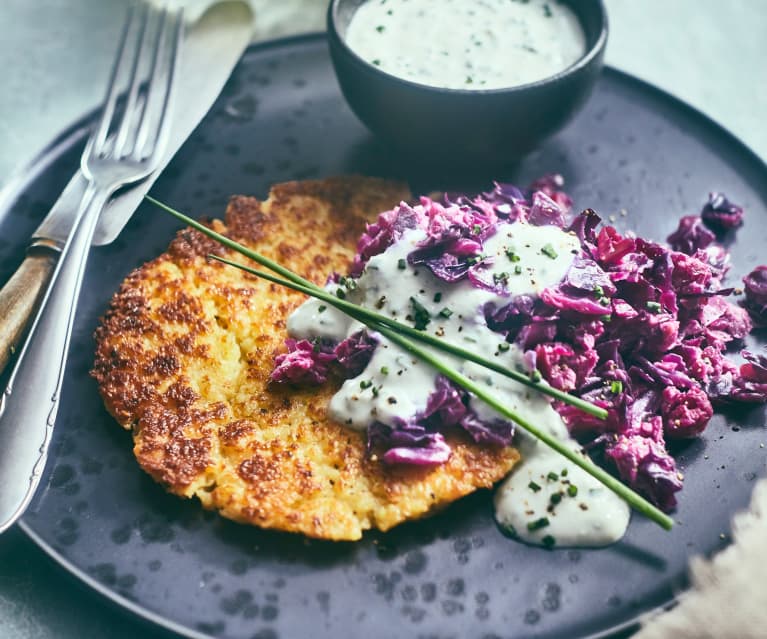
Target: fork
[(120, 151)]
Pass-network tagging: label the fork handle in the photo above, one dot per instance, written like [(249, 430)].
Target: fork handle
[(20, 297), (30, 402)]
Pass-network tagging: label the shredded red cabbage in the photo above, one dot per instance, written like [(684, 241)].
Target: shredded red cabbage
[(690, 236), (661, 351), (750, 385), (685, 411), (304, 364), (586, 275), (755, 285), (720, 214), (408, 443), (383, 233), (354, 353), (448, 406), (636, 327)]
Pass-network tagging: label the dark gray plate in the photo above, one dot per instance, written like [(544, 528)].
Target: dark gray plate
[(281, 117)]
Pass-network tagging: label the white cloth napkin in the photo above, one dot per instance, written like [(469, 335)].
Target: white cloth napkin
[(728, 595), (271, 18)]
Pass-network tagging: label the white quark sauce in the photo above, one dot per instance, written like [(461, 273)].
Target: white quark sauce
[(590, 515), (396, 386), (467, 44)]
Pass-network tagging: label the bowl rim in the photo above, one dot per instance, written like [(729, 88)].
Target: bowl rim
[(587, 58)]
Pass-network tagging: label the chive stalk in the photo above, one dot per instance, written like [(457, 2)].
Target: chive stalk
[(395, 333), (301, 285), (367, 316)]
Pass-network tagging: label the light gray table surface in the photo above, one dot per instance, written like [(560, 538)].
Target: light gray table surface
[(54, 60)]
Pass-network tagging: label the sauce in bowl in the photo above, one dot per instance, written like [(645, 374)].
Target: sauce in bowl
[(467, 44)]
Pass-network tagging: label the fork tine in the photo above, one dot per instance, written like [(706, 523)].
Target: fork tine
[(163, 70), (142, 39), (98, 140)]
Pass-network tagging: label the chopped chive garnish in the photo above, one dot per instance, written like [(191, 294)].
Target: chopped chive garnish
[(552, 476), (555, 498), (501, 278), (401, 264), (538, 524), (438, 297), (604, 301), (340, 293), (377, 62), (445, 312), (365, 384), (375, 391), (512, 255), (533, 486), (322, 308), (380, 28), (548, 251), (605, 318), (564, 472), (504, 346), (572, 490), (536, 376), (599, 291), (476, 229), (549, 541), (421, 316), (384, 370), (517, 270), (616, 387), (655, 307)]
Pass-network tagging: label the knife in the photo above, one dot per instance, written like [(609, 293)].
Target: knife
[(212, 47)]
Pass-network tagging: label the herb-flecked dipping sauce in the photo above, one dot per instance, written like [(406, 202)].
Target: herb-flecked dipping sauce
[(396, 386), (467, 44)]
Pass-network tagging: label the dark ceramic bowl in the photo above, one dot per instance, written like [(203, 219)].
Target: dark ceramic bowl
[(465, 127)]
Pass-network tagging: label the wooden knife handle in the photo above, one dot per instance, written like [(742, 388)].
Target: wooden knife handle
[(20, 297)]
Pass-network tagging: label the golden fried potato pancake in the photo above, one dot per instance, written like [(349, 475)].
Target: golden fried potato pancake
[(183, 359)]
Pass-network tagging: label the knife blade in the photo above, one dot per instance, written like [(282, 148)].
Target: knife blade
[(213, 45)]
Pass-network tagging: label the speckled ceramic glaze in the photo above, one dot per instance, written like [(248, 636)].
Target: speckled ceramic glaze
[(282, 117)]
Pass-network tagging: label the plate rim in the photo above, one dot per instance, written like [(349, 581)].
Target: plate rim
[(76, 132)]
